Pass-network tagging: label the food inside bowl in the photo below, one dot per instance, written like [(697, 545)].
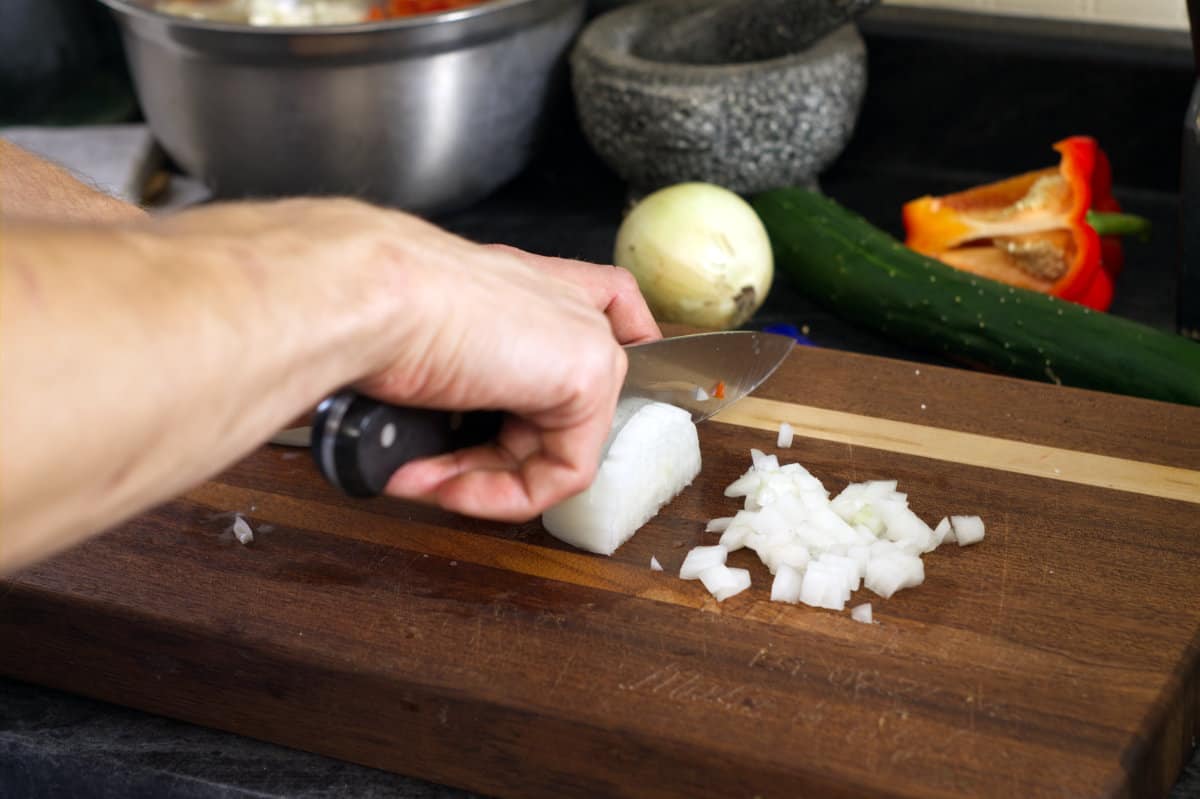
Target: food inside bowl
[(305, 12), (406, 8)]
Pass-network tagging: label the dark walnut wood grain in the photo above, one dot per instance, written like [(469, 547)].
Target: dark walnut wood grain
[(1058, 657)]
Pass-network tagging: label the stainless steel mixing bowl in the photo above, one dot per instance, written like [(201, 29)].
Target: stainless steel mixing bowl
[(426, 113)]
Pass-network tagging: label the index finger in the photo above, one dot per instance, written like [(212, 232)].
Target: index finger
[(610, 288), (495, 481)]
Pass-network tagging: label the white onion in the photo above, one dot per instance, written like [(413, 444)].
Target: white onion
[(861, 613), (785, 435), (655, 566), (824, 587), (943, 532), (786, 587), (967, 529), (735, 537), (653, 453), (792, 554), (718, 525), (848, 567), (763, 462), (820, 549), (887, 575), (744, 486), (724, 582), (861, 555), (700, 254), (241, 530), (700, 560)]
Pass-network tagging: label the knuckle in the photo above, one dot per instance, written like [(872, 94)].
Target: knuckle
[(606, 362), (624, 281)]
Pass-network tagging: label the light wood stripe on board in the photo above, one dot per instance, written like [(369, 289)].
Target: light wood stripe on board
[(972, 449)]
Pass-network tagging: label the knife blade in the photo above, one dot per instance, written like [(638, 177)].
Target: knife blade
[(359, 442), (672, 369)]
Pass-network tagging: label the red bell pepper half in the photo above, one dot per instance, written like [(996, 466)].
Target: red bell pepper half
[(1053, 230)]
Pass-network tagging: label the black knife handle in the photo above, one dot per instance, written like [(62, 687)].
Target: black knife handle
[(359, 442)]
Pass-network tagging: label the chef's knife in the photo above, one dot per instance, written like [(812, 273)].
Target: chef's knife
[(359, 442)]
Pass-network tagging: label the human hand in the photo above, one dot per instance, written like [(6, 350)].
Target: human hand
[(537, 337), (460, 326), (232, 318), (611, 289)]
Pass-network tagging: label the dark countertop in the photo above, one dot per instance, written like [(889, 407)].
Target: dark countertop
[(951, 102)]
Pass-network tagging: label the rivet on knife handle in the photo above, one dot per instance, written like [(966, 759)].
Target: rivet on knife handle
[(359, 443)]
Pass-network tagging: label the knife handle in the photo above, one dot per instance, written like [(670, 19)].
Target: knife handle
[(359, 442)]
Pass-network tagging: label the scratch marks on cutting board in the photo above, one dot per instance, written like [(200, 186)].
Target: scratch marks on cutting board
[(674, 683), (1002, 545), (562, 672)]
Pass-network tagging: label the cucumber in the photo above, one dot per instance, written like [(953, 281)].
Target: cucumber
[(866, 276)]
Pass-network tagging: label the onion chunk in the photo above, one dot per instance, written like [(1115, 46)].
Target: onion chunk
[(786, 587), (861, 613), (724, 582), (241, 530), (967, 529), (821, 550), (653, 453), (700, 560)]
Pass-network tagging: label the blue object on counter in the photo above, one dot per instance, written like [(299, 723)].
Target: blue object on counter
[(791, 331)]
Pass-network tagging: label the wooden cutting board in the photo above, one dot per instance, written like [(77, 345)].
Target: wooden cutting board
[(1058, 657)]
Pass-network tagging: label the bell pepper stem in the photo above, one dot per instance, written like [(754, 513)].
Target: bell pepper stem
[(1107, 223)]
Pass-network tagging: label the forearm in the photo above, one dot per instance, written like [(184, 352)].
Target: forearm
[(138, 360), (33, 189)]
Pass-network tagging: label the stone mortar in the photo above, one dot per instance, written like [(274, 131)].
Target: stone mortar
[(676, 90)]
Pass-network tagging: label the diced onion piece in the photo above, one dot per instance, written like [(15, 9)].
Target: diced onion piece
[(734, 538), (861, 613), (861, 555), (967, 529), (785, 435), (724, 582), (786, 587), (700, 560), (905, 527), (887, 575), (763, 462), (241, 530), (847, 566), (824, 587), (795, 555), (868, 517), (701, 395), (867, 534), (769, 522), (943, 532), (718, 525), (653, 453), (878, 489), (744, 486), (655, 566)]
